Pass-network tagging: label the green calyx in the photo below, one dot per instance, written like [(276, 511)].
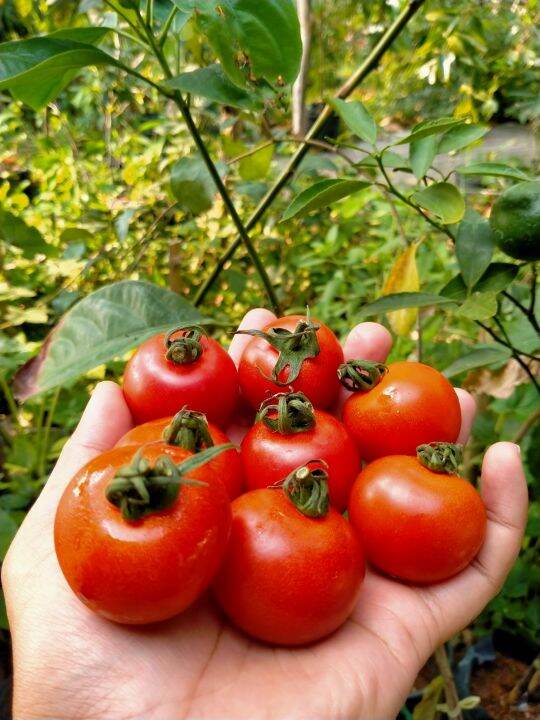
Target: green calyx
[(189, 430), (287, 413), (307, 488), (293, 347), (140, 489), (185, 348), (356, 375), (441, 457)]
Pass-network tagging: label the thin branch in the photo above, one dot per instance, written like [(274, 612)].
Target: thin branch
[(529, 314), (166, 27), (370, 64), (248, 153), (515, 355), (450, 690), (149, 15), (526, 426)]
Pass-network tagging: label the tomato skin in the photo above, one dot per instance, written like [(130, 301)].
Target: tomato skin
[(415, 524), (287, 579), (227, 466), (268, 457), (155, 387), (413, 404), (145, 571), (317, 378)]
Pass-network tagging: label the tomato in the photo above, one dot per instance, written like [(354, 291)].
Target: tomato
[(306, 362), (289, 432), (190, 433), (411, 405), (197, 372), (416, 524), (288, 579), (133, 567)]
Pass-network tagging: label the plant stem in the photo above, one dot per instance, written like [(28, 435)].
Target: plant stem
[(149, 15), (450, 691), (166, 27), (515, 352), (10, 400), (44, 449), (529, 313), (526, 426), (369, 64)]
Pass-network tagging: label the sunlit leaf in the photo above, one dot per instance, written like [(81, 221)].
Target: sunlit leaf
[(492, 168), (322, 194), (212, 83), (444, 200), (403, 278), (479, 306), (356, 118), (429, 127), (256, 165), (460, 136)]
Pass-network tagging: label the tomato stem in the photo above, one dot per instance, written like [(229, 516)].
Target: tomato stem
[(357, 375), (184, 349), (441, 457), (307, 488), (287, 413), (189, 430)]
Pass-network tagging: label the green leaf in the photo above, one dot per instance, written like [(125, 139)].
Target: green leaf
[(257, 165), (212, 83), (8, 528), (429, 127), (421, 154), (14, 231), (102, 326), (444, 200), (460, 136), (322, 194), (389, 159), (399, 301), (497, 277), (356, 118), (477, 358), (479, 306), (492, 168), (253, 39), (474, 247), (427, 707), (36, 70), (192, 185)]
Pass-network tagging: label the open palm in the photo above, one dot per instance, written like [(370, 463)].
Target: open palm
[(70, 663)]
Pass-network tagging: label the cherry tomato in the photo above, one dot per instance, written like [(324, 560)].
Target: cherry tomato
[(133, 567), (227, 466), (291, 434), (307, 362), (411, 405), (185, 368), (416, 524), (288, 579)]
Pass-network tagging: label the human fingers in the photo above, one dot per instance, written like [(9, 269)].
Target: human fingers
[(255, 319)]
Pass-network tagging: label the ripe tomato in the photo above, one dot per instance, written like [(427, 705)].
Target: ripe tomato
[(289, 433), (288, 579), (184, 368), (193, 432), (416, 524), (306, 362), (151, 566), (411, 405)]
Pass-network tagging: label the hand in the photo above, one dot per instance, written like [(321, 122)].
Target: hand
[(70, 663)]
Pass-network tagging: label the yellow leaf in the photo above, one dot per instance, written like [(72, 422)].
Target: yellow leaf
[(403, 278)]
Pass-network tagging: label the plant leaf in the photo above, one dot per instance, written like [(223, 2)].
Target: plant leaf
[(492, 168), (460, 136), (497, 277), (398, 301), (14, 231), (356, 118), (474, 247), (444, 200), (421, 154), (427, 707), (256, 165), (429, 127), (192, 185), (322, 194), (479, 306), (403, 278), (212, 83), (104, 325), (478, 358)]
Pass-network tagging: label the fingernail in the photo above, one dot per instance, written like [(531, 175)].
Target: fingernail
[(517, 450)]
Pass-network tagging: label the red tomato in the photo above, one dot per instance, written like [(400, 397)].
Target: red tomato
[(227, 466), (145, 570), (286, 578), (155, 386), (413, 404), (317, 376), (416, 524), (269, 456)]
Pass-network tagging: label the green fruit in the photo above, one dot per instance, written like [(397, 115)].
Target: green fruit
[(515, 221)]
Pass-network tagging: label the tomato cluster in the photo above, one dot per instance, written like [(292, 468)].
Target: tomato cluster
[(143, 530)]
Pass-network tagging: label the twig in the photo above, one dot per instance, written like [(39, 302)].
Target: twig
[(515, 355), (526, 426), (529, 313), (450, 691)]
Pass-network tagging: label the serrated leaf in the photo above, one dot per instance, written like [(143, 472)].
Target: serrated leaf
[(102, 326), (442, 199), (477, 358), (398, 301), (474, 247), (460, 136), (421, 154), (356, 117), (493, 169), (479, 306), (429, 127), (212, 83), (403, 278), (192, 185), (322, 194)]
